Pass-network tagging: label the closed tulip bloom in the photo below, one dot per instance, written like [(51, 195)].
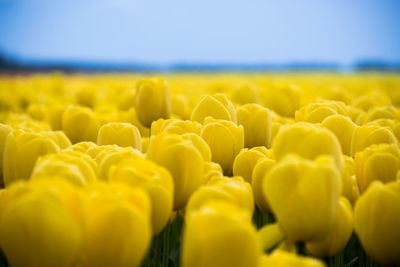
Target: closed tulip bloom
[(180, 106), (308, 141), (257, 124), (245, 93), (154, 179), (377, 162), (200, 144), (175, 126), (183, 160), (303, 195), (343, 127), (219, 235), (225, 140), (233, 190), (122, 134), (211, 169), (281, 258), (86, 96), (377, 220), (317, 112), (38, 227), (336, 240), (59, 138), (117, 225), (79, 124), (260, 171), (385, 112), (81, 146), (245, 162), (217, 106), (367, 135), (152, 100), (21, 151)]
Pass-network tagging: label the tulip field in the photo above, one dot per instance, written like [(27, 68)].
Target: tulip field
[(200, 170)]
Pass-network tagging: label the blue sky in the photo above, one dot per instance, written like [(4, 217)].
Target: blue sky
[(207, 31)]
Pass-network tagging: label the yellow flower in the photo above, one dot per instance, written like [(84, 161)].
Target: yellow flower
[(377, 220), (184, 161), (308, 141), (217, 106), (79, 124), (4, 131), (280, 258), (180, 106), (246, 160), (117, 225), (260, 171), (211, 169), (317, 112), (377, 162), (303, 195), (219, 235), (245, 93), (86, 96), (343, 127), (154, 179), (225, 140), (21, 151), (122, 134), (338, 236), (58, 137), (152, 101), (175, 126), (257, 123), (38, 227)]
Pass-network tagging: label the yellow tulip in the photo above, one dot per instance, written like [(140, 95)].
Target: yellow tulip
[(184, 161), (175, 126), (284, 99), (180, 106), (86, 96), (217, 107), (225, 140), (81, 146), (117, 225), (219, 235), (152, 101), (303, 195), (343, 127), (211, 169), (260, 171), (246, 160), (257, 123), (308, 141), (122, 134), (37, 226), (335, 241), (21, 151), (200, 144), (377, 220), (59, 138), (377, 162), (79, 124), (280, 258), (317, 112), (4, 131), (245, 93), (53, 116), (154, 179), (386, 112)]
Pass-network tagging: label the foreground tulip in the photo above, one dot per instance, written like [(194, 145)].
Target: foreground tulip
[(22, 149), (225, 140), (260, 171), (377, 220), (246, 160), (217, 107), (154, 179), (183, 160), (117, 225), (377, 162), (280, 258), (152, 101), (343, 128), (79, 124), (37, 227), (257, 124), (308, 141), (122, 134), (219, 235), (335, 241), (303, 195)]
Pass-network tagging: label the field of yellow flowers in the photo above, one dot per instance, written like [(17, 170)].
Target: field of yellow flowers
[(200, 170)]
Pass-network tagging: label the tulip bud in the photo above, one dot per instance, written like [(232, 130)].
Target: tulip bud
[(308, 141), (211, 169), (260, 171), (343, 128), (219, 235), (175, 126), (122, 134), (154, 179), (81, 147), (303, 195), (377, 162), (283, 258), (79, 124), (377, 220), (184, 161), (225, 140), (257, 124), (338, 236), (180, 106), (386, 112), (59, 138), (117, 225), (152, 101), (21, 151), (245, 94), (317, 112), (246, 160), (86, 96), (217, 107)]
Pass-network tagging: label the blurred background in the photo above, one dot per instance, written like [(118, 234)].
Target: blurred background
[(199, 35)]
